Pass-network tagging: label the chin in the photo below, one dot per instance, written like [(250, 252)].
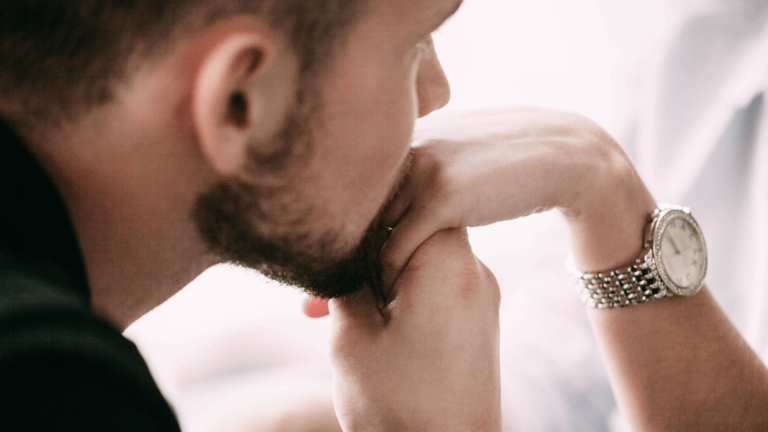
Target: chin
[(324, 263), (358, 268)]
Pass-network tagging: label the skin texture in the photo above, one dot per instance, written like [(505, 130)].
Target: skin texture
[(411, 339), (423, 353), (132, 173), (676, 364)]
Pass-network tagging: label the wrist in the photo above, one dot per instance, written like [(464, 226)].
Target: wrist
[(608, 212)]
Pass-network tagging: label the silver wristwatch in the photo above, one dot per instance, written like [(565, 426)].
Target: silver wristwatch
[(673, 263)]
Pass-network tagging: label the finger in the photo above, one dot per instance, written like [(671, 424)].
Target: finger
[(398, 206), (412, 230), (315, 307)]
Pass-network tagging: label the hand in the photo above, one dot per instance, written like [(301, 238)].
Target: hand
[(314, 307), (479, 168), (429, 360)]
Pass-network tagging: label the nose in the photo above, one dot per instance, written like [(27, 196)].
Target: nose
[(434, 92)]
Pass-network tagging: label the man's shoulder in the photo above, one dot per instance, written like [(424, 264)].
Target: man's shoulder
[(38, 295), (62, 365)]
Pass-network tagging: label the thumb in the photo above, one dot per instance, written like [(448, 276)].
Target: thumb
[(315, 307)]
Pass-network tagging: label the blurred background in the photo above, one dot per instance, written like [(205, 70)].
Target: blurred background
[(668, 78)]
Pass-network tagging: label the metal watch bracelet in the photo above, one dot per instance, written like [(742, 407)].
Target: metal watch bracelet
[(621, 287)]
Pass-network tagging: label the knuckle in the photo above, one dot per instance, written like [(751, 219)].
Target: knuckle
[(435, 161), (491, 284), (425, 157), (478, 284), (429, 156), (590, 132), (443, 185)]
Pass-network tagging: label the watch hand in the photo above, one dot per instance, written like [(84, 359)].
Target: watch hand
[(677, 251)]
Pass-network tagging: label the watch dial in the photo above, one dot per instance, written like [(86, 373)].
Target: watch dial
[(682, 252)]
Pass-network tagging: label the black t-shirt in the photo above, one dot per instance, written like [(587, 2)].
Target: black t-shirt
[(62, 368)]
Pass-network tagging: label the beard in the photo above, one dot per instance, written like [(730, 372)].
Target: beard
[(264, 219)]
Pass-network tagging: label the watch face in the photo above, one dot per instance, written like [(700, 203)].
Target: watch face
[(683, 254)]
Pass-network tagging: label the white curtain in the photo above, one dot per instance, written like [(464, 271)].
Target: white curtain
[(699, 138)]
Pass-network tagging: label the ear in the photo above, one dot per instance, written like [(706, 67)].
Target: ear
[(235, 99)]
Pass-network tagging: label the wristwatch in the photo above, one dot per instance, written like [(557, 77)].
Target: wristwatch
[(673, 263)]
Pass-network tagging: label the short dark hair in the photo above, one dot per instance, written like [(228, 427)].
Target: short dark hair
[(61, 58)]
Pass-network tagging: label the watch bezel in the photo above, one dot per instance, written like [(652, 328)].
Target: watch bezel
[(665, 218)]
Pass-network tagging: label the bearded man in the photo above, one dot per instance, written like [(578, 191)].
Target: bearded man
[(145, 141)]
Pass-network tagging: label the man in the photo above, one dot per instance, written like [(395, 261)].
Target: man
[(146, 141), (221, 138)]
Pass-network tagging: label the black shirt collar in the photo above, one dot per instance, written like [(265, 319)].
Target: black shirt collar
[(34, 223)]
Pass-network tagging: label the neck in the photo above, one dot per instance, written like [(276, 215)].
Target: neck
[(130, 200), (135, 260)]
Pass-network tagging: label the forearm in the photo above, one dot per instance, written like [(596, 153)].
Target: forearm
[(676, 364), (672, 361)]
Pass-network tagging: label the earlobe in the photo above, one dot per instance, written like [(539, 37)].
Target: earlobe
[(224, 102)]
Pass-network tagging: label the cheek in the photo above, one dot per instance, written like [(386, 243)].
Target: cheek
[(367, 133), (378, 114)]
